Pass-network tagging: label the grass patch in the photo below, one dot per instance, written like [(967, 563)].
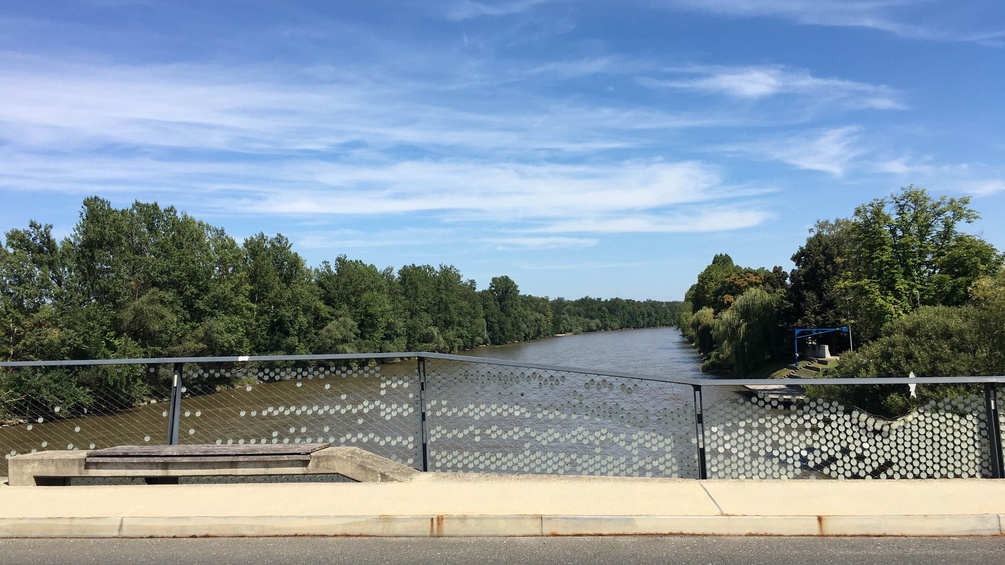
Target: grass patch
[(773, 370)]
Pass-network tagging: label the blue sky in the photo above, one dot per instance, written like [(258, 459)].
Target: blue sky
[(580, 147)]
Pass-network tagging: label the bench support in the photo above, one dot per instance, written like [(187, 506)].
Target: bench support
[(47, 468)]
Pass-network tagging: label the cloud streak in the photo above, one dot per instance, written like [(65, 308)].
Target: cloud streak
[(470, 9), (759, 82), (922, 19), (499, 189), (607, 198), (976, 178)]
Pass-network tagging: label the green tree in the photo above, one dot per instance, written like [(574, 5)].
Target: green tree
[(812, 300), (701, 326), (416, 285), (900, 245), (747, 335), (503, 312), (932, 341), (225, 312), (360, 292), (284, 299), (965, 260), (704, 293), (338, 336), (32, 274), (537, 316), (457, 310)]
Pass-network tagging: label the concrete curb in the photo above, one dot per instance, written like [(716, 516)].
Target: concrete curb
[(448, 504), (500, 526)]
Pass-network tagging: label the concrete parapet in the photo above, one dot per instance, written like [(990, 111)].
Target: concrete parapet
[(455, 504)]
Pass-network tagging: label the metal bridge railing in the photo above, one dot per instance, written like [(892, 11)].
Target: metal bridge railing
[(440, 412)]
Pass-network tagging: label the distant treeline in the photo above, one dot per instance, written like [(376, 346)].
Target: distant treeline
[(148, 281)]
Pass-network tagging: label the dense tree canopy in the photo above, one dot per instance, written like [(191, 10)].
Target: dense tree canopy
[(932, 341), (906, 251), (147, 281), (913, 286)]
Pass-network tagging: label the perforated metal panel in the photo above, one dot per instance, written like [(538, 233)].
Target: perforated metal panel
[(496, 418), (375, 408), (770, 439), (485, 416), (1000, 396), (87, 418)]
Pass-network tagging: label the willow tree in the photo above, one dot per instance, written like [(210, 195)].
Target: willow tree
[(748, 334)]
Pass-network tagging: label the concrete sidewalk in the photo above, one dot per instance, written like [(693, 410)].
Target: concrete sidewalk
[(441, 504)]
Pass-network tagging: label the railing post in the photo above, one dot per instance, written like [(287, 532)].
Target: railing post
[(423, 433), (994, 430), (174, 410), (699, 430)]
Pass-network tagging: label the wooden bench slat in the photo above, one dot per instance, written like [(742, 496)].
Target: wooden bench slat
[(207, 450)]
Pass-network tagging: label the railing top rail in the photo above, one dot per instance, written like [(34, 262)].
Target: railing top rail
[(714, 381), (709, 381), (858, 381), (545, 367), (226, 359)]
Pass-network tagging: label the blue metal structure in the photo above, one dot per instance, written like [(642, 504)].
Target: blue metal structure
[(810, 332)]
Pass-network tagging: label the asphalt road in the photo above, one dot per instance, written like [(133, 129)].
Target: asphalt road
[(508, 551)]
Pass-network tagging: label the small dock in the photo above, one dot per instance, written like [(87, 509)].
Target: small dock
[(780, 392), (788, 393)]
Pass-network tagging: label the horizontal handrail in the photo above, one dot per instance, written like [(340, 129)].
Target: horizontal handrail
[(707, 381)]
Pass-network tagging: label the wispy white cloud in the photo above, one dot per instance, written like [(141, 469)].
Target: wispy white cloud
[(993, 38), (976, 179), (711, 219), (586, 66), (923, 19), (831, 151), (540, 243), (502, 191), (983, 187), (600, 198), (588, 265), (926, 166), (471, 9), (471, 126), (859, 13), (756, 82), (354, 238), (356, 142)]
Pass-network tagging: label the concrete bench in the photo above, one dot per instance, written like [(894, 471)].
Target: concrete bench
[(164, 464)]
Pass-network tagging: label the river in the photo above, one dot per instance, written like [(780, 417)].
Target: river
[(660, 352)]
